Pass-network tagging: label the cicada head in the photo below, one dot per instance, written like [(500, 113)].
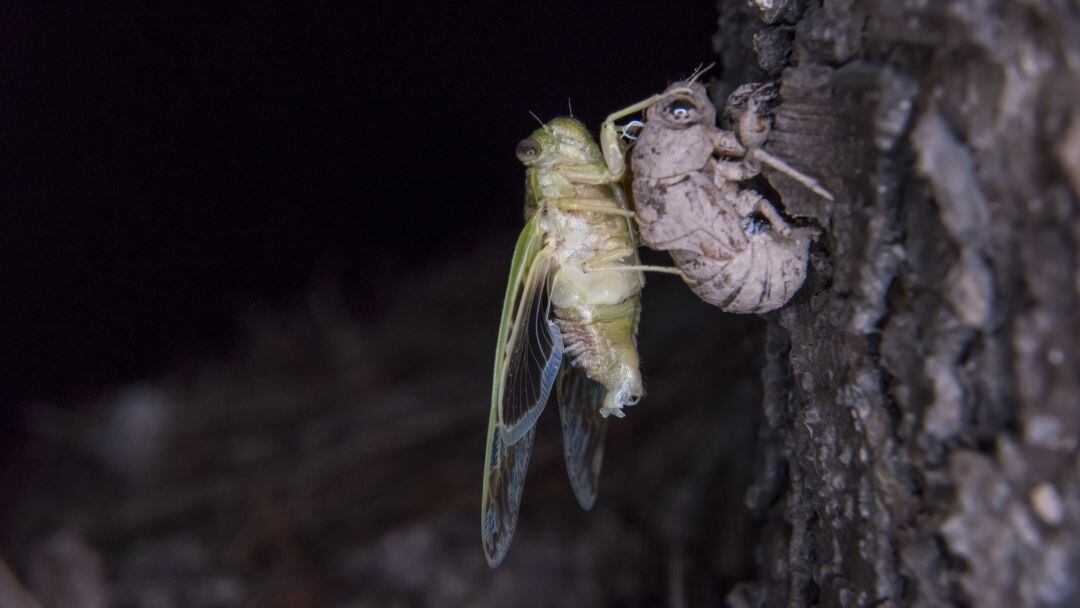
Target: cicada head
[(684, 105), (748, 112), (562, 141)]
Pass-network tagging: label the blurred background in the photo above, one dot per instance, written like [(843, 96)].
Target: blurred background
[(254, 262)]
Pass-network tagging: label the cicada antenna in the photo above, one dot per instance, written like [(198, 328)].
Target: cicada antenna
[(570, 107), (700, 71), (533, 114)]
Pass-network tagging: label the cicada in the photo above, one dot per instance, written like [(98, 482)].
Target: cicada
[(569, 320), (732, 246)]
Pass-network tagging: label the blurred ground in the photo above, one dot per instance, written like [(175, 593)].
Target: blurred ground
[(329, 462)]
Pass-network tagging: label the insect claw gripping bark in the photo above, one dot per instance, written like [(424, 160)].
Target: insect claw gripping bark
[(732, 246)]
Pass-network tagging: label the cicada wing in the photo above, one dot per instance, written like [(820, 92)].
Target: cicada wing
[(504, 480), (533, 354), (529, 349), (527, 359), (584, 428)]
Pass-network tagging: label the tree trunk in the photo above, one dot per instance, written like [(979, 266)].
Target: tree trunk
[(921, 437)]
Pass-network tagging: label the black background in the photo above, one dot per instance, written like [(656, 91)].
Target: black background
[(163, 167)]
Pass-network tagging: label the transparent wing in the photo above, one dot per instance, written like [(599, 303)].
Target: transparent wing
[(583, 432), (527, 358), (504, 480), (533, 355)]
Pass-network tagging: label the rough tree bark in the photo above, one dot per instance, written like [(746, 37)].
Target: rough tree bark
[(921, 391)]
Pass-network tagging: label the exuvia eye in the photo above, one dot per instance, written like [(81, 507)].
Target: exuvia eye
[(680, 109)]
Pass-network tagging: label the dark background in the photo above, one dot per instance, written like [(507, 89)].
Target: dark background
[(165, 167), (253, 262)]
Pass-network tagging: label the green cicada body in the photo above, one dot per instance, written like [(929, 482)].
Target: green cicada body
[(569, 322)]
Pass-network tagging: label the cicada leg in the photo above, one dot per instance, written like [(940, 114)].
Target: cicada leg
[(614, 154), (602, 206), (781, 166), (604, 263), (587, 204), (640, 268), (749, 202)]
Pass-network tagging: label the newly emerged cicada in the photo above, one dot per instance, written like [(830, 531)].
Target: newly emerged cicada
[(569, 320)]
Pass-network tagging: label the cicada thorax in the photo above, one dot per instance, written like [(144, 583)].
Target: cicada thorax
[(597, 309), (671, 152), (672, 166), (663, 206)]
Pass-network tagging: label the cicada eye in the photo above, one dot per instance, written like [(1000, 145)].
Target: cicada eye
[(527, 149), (681, 110)]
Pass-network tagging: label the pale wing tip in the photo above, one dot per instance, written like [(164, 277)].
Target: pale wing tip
[(496, 542), (585, 494), (586, 486), (502, 497), (494, 551), (495, 538), (494, 555)]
